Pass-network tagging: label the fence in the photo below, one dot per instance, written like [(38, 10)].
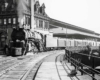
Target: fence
[(83, 57)]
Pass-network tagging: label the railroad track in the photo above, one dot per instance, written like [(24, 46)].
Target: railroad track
[(11, 65), (68, 69), (28, 65), (65, 67), (60, 68), (47, 69), (34, 71), (87, 72)]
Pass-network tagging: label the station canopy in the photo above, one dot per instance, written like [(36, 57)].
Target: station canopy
[(57, 23), (75, 36)]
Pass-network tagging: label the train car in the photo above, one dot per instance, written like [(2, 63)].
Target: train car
[(61, 43), (98, 43), (77, 42), (51, 42), (68, 42), (55, 43)]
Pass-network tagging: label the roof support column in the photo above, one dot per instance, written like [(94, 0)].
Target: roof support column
[(32, 14)]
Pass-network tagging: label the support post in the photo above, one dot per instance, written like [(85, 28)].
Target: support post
[(32, 14), (93, 66)]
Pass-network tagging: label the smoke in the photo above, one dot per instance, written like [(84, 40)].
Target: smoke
[(21, 9)]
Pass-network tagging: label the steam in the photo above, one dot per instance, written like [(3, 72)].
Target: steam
[(21, 8)]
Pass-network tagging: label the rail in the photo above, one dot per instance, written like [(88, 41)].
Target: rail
[(74, 56)]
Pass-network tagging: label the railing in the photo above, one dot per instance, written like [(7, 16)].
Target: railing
[(74, 56)]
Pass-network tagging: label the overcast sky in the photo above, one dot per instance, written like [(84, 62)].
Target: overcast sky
[(82, 13)]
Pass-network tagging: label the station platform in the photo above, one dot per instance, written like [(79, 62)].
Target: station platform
[(53, 67), (49, 72)]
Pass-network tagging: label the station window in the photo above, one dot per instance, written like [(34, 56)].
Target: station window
[(14, 20), (40, 24), (5, 21), (29, 21), (46, 25), (36, 23), (9, 20)]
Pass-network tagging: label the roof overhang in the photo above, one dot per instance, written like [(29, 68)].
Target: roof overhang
[(55, 23)]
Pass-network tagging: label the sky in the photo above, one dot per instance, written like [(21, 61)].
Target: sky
[(82, 13)]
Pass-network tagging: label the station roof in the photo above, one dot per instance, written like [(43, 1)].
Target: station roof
[(57, 23)]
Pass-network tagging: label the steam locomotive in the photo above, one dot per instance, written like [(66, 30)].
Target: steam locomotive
[(20, 45)]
